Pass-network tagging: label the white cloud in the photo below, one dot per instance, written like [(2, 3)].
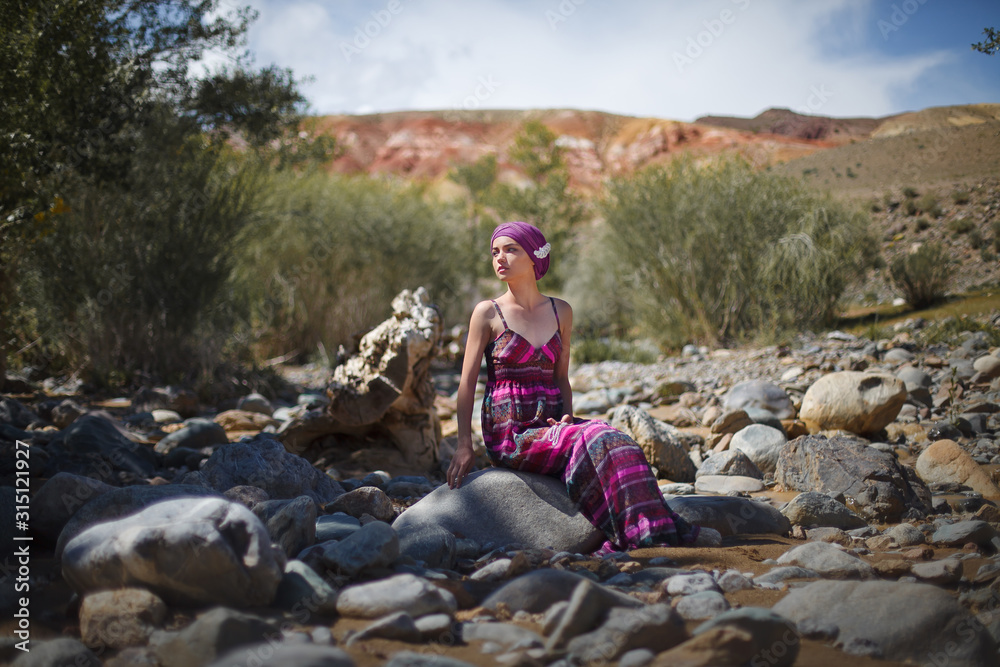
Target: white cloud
[(587, 54)]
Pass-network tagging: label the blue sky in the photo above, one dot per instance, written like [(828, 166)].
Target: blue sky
[(663, 58)]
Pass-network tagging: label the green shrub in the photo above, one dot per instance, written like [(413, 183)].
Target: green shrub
[(961, 226), (327, 255), (922, 224), (720, 252), (910, 193), (929, 204), (922, 276), (960, 197), (592, 350), (995, 226), (910, 207), (129, 283), (951, 330), (976, 240)]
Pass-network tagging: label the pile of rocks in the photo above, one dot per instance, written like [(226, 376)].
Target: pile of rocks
[(867, 469)]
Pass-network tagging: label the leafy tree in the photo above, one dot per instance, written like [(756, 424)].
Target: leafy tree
[(991, 44), (97, 97)]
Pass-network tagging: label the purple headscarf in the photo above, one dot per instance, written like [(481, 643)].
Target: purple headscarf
[(531, 239)]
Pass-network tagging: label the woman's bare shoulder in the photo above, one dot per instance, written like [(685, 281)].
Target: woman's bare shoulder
[(562, 307)]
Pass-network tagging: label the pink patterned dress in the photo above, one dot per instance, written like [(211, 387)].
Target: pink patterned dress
[(605, 471)]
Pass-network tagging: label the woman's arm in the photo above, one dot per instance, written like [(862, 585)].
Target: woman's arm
[(480, 333), (562, 364)]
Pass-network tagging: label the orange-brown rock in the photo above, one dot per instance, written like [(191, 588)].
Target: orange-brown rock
[(946, 461)]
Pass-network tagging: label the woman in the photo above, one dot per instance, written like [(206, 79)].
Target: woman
[(528, 422)]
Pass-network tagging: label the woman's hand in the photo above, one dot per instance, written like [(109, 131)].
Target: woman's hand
[(566, 419), (461, 464)]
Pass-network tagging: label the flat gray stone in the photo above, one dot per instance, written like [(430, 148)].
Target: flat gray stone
[(505, 506), (290, 523), (828, 561), (302, 590), (403, 592), (906, 535), (956, 534), (433, 545), (281, 654), (723, 484), (701, 606), (729, 462), (335, 526), (691, 583), (905, 622), (655, 627), (536, 591), (57, 652), (212, 634), (731, 515), (398, 626), (196, 434), (374, 545), (779, 574)]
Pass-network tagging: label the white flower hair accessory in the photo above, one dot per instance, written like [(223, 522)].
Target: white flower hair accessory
[(543, 252)]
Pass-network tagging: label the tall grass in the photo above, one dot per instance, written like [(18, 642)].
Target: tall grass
[(327, 254), (721, 252)]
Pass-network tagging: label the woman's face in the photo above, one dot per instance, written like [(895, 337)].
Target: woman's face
[(510, 259)]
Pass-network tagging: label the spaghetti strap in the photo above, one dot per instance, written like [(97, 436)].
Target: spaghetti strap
[(558, 324), (500, 313)]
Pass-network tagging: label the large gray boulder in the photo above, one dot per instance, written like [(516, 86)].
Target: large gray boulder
[(58, 499), (812, 509), (94, 446), (186, 550), (904, 622), (263, 462), (759, 394), (730, 515), (120, 503), (853, 401), (761, 444), (872, 483), (662, 443), (503, 506)]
